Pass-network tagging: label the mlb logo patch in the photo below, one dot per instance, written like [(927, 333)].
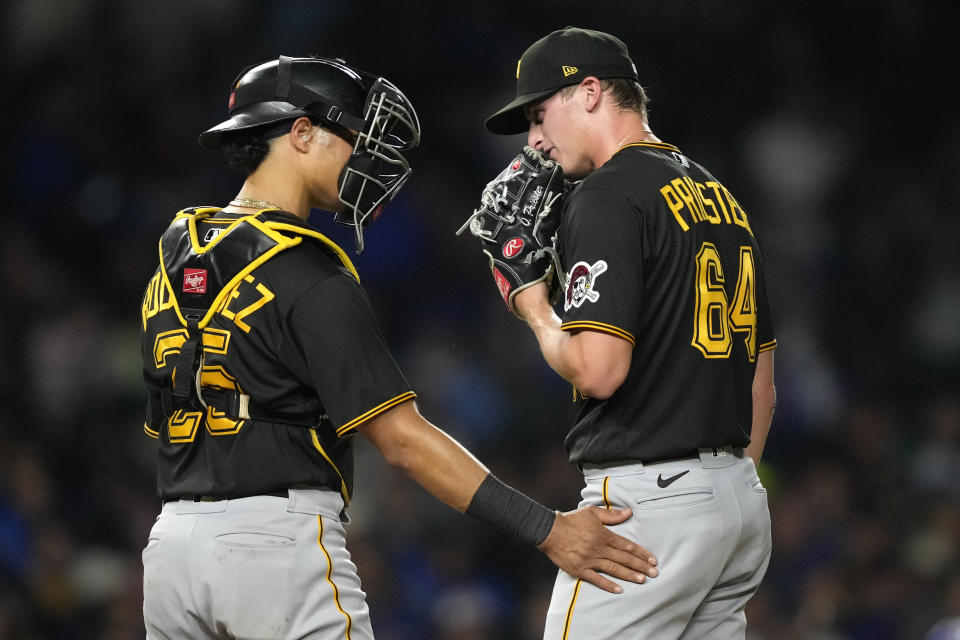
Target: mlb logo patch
[(194, 280)]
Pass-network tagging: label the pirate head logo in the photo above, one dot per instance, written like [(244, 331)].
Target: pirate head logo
[(580, 287)]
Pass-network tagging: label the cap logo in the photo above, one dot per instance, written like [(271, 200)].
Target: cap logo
[(518, 68), (569, 71), (233, 100)]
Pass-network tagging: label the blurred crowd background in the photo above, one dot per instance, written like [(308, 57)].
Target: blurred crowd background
[(831, 122)]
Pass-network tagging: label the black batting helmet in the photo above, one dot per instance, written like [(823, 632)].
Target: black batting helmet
[(364, 108)]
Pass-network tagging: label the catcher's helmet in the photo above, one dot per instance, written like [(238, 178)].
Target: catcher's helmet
[(369, 109)]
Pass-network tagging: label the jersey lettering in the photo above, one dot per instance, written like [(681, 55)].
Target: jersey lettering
[(690, 204), (157, 298), (238, 316)]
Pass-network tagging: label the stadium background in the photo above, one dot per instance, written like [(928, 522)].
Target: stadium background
[(830, 122)]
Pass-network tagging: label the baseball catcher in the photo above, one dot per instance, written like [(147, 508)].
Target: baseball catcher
[(517, 224)]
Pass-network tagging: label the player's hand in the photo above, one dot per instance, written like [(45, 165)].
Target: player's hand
[(580, 544)]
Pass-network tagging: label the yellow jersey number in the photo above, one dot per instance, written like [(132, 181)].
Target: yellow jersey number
[(182, 425), (716, 318)]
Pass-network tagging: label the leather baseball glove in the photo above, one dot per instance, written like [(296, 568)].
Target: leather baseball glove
[(517, 224)]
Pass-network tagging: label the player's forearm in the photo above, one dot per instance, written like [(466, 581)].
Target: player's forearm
[(451, 474), (553, 341), (764, 400), (762, 416), (593, 362), (534, 307), (429, 456)]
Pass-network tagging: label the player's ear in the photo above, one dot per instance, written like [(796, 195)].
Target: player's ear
[(302, 132), (591, 91)]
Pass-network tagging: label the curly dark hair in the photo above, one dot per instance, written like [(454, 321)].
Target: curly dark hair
[(244, 151)]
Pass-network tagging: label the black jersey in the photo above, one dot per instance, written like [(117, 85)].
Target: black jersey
[(661, 254), (290, 358)]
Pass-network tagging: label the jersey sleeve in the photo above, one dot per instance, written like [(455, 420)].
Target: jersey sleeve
[(603, 256), (349, 363)]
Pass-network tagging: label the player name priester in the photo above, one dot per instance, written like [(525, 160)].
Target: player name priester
[(696, 202)]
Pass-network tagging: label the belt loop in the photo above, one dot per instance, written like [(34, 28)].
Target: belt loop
[(716, 457), (244, 412)]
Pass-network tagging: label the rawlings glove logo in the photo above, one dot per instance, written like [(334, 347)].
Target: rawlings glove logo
[(512, 247), (581, 287)]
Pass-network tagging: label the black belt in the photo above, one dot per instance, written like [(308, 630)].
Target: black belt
[(693, 455), (200, 498)]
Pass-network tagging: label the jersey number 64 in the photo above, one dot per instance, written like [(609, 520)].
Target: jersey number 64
[(716, 319)]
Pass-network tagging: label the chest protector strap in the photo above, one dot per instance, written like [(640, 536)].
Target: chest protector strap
[(202, 278)]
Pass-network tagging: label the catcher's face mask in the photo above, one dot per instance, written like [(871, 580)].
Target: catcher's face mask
[(377, 168), (344, 100)]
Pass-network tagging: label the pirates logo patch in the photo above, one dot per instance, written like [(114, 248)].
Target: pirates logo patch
[(581, 285)]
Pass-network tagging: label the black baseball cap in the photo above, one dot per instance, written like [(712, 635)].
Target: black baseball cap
[(563, 58)]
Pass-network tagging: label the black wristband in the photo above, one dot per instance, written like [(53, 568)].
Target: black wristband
[(504, 507)]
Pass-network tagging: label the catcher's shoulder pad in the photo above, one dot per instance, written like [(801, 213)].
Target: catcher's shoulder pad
[(202, 260)]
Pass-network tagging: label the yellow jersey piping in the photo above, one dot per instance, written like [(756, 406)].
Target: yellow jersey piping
[(767, 346), (343, 484), (377, 410), (655, 145)]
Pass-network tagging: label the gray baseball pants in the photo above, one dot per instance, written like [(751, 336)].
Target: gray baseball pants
[(258, 568), (707, 521)]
